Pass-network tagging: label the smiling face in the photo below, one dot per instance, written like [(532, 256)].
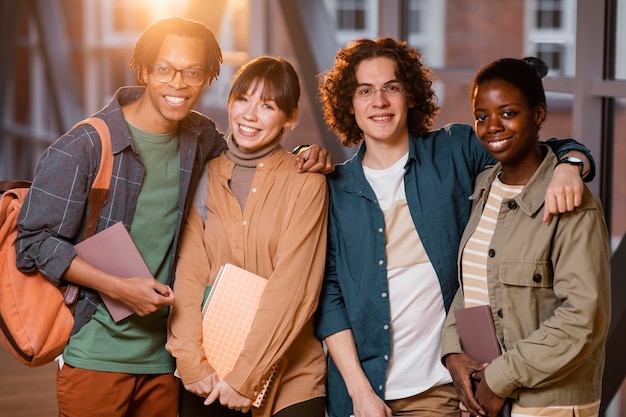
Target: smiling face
[(255, 119), (164, 104), (383, 116), (508, 127)]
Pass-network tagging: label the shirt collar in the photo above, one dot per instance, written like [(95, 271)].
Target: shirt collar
[(357, 183), (532, 197)]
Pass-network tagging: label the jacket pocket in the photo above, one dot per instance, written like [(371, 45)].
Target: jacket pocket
[(526, 298)]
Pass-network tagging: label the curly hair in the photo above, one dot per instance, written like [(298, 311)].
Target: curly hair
[(337, 86), (149, 43)]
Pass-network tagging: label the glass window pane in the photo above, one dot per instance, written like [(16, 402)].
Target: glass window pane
[(549, 14), (539, 27), (351, 15), (618, 206), (413, 21), (414, 17), (620, 41), (359, 19), (552, 54)]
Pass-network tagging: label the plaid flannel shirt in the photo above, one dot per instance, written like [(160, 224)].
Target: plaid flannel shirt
[(53, 215)]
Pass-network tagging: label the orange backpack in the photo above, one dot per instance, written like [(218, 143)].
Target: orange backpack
[(36, 317)]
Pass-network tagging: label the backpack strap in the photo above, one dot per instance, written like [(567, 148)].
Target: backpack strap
[(103, 178), (7, 185), (99, 192)]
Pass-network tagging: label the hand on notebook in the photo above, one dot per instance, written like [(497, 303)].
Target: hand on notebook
[(203, 387), (143, 295), (229, 397), (463, 369)]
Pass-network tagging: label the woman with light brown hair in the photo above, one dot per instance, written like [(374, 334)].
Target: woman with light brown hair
[(256, 212)]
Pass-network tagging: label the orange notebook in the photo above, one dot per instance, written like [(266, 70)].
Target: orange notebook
[(228, 314)]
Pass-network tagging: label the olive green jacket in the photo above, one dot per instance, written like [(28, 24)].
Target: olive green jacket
[(549, 291)]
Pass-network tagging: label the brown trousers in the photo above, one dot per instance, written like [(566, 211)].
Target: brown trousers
[(85, 393), (440, 401)]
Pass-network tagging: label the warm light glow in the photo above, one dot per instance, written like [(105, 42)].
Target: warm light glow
[(163, 8)]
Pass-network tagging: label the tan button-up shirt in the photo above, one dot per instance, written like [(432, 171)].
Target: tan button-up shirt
[(280, 235)]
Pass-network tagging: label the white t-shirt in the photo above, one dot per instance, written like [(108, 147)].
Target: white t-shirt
[(417, 309)]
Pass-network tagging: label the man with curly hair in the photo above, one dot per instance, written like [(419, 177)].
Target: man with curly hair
[(390, 281)]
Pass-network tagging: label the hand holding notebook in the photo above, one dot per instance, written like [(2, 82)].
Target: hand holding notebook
[(113, 251), (478, 339), (228, 314)]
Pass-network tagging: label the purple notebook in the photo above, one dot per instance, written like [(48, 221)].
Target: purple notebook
[(113, 251), (477, 333)]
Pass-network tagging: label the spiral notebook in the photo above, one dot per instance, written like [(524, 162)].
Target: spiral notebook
[(228, 314)]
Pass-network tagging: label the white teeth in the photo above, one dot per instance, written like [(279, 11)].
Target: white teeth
[(174, 100), (248, 129), (380, 118), (497, 144)]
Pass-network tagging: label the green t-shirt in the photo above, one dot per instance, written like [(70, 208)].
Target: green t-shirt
[(137, 344)]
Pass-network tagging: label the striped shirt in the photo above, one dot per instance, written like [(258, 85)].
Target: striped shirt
[(475, 252)]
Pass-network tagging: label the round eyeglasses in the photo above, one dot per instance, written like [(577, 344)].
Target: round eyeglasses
[(165, 73), (368, 93)]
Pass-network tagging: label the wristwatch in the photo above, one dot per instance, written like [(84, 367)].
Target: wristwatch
[(298, 148), (572, 160)]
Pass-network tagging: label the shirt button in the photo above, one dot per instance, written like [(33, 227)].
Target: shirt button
[(512, 205), (537, 278), (261, 165), (386, 327), (380, 388), (381, 262), (255, 393), (254, 190), (384, 295), (386, 357), (245, 222), (500, 313), (380, 230), (492, 253)]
